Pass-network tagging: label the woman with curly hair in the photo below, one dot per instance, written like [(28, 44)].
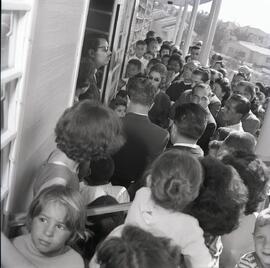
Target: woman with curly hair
[(255, 176), (220, 203), (87, 130)]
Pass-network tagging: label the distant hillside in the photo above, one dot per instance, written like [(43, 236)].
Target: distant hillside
[(228, 31)]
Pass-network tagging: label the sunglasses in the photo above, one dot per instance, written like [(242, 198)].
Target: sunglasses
[(105, 49)]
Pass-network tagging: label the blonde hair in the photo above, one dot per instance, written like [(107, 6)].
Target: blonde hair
[(68, 198)]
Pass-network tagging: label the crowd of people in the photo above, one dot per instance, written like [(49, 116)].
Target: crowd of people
[(177, 141)]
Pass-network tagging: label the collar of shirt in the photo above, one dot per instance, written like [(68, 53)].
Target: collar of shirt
[(186, 145)]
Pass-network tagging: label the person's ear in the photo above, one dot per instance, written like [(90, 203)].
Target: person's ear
[(91, 53), (148, 180)]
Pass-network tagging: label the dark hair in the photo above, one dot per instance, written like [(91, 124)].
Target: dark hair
[(225, 87), (118, 101), (187, 57), (70, 199), (88, 130), (219, 62), (150, 34), (101, 225), (140, 42), (190, 120), (150, 40), (140, 90), (243, 104), (240, 141), (159, 39), (122, 94), (159, 68), (137, 248), (92, 41), (136, 62), (165, 46), (221, 199), (218, 56), (254, 174), (153, 61), (176, 178), (195, 47), (160, 111), (223, 71), (100, 171), (177, 58), (203, 72), (249, 87)]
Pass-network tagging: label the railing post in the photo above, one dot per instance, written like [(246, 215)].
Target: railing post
[(263, 144), (182, 24), (211, 29), (191, 26), (177, 25)]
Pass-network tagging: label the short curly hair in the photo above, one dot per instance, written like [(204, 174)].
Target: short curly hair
[(140, 90), (88, 130), (254, 174), (176, 178), (222, 197)]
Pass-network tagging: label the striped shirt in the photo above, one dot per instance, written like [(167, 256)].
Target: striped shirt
[(249, 260)]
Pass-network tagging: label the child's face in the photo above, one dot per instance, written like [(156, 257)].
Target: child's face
[(155, 78), (196, 79), (48, 231), (174, 65), (140, 50), (148, 56), (120, 111), (153, 47), (165, 60), (262, 244), (164, 52), (132, 70)]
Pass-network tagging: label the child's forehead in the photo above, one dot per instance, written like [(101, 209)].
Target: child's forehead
[(262, 229), (141, 45), (54, 209)]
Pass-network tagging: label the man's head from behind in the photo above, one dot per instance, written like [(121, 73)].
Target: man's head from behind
[(141, 91), (189, 121), (237, 141), (134, 66)]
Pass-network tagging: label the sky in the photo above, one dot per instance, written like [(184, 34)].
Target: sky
[(254, 13)]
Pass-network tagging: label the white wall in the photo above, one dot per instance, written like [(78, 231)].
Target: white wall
[(50, 87)]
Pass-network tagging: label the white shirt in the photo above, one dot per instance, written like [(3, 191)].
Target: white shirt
[(90, 193), (237, 127)]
